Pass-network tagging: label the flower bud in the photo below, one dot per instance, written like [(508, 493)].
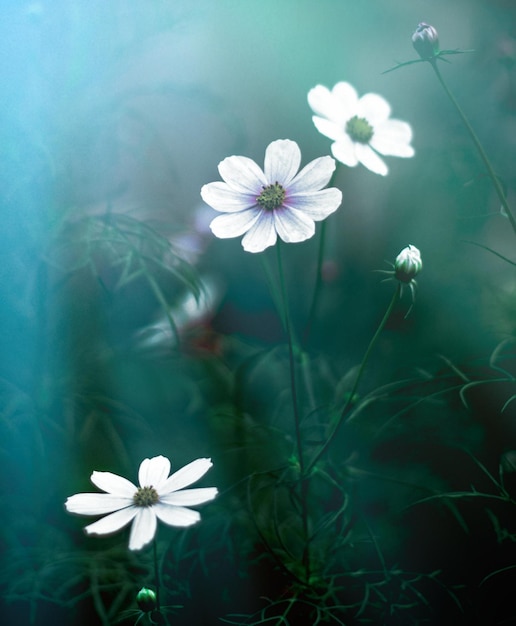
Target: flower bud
[(146, 600), (408, 264), (425, 41)]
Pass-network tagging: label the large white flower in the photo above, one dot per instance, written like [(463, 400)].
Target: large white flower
[(359, 127), (159, 496), (275, 201)]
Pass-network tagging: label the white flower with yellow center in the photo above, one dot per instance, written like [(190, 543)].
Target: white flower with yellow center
[(277, 200), (360, 128), (159, 496)]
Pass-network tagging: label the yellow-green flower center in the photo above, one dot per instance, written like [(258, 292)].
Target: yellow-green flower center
[(359, 129), (272, 196), (145, 496)]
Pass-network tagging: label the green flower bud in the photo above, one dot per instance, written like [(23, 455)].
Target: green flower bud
[(146, 600), (408, 264), (425, 41)]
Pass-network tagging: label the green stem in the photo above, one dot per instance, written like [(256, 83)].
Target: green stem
[(496, 182), (297, 418), (358, 377), (164, 304), (156, 575), (288, 331), (318, 281)]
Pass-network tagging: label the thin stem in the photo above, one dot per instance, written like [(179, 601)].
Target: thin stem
[(288, 331), (496, 182), (156, 575), (318, 281), (297, 417), (358, 377), (166, 308)]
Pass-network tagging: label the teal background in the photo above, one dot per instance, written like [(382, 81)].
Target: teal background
[(128, 107)]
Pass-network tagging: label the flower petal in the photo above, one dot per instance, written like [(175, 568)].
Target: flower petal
[(368, 157), (262, 234), (328, 128), (374, 108), (393, 138), (313, 176), (282, 161), (323, 104), (189, 497), (153, 472), (293, 226), (222, 198), (337, 105), (318, 204), (176, 515), (344, 151), (235, 224), (114, 484), (96, 503), (346, 98), (242, 174), (112, 523), (143, 528), (185, 476)]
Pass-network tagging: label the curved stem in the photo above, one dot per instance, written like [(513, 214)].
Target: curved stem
[(358, 377), (496, 182)]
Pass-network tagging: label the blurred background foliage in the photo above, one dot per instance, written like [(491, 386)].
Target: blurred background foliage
[(129, 331)]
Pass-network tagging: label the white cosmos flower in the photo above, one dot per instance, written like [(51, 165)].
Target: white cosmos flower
[(359, 127), (276, 201), (159, 496)]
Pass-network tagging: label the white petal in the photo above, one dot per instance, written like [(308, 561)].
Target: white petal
[(344, 151), (234, 224), (368, 157), (313, 176), (176, 515), (323, 103), (282, 161), (293, 226), (153, 472), (318, 204), (112, 483), (242, 174), (262, 234), (112, 523), (143, 528), (329, 128), (189, 497), (185, 476), (96, 503), (346, 98), (374, 108), (393, 138), (319, 99), (222, 198)]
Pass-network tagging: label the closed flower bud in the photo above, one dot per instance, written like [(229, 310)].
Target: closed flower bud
[(146, 600), (425, 41), (408, 264)]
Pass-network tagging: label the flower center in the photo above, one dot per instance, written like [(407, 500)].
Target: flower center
[(145, 496), (359, 129), (271, 197)]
